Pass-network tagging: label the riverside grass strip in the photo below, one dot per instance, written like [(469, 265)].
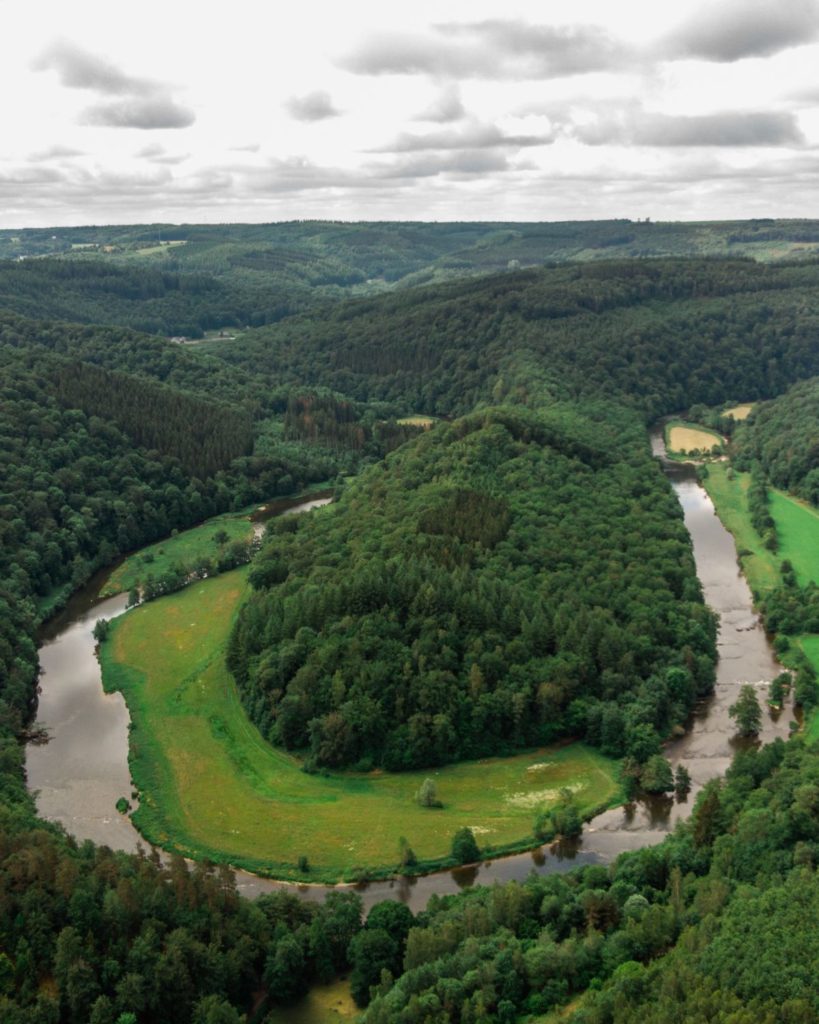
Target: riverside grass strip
[(797, 529), (211, 786)]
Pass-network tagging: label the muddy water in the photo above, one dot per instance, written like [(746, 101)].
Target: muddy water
[(83, 770)]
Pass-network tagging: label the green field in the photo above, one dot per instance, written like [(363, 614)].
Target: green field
[(211, 786), (185, 549), (728, 491), (797, 529)]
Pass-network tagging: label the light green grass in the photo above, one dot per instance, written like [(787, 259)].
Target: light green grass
[(418, 421), (797, 530), (728, 490), (211, 786), (323, 1004), (184, 549)]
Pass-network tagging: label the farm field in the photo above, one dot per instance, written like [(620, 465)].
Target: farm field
[(682, 438), (185, 549), (211, 786), (740, 412)]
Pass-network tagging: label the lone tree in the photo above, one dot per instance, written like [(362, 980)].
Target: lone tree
[(464, 847), (746, 712), (427, 795), (657, 776), (682, 781)]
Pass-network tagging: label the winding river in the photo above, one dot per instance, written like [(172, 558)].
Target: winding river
[(83, 769)]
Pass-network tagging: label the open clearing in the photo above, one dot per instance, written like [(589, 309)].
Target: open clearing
[(212, 786), (323, 1004), (417, 421), (739, 412), (684, 437), (185, 549)]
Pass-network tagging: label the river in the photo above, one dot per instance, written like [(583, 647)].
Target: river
[(82, 771)]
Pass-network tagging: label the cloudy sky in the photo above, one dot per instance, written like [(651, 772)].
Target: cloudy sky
[(469, 110)]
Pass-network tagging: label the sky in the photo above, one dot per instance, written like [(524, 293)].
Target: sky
[(469, 110)]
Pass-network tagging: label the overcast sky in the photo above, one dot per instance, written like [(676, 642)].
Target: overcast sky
[(470, 110)]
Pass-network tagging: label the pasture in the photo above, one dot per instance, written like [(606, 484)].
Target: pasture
[(210, 785), (185, 549)]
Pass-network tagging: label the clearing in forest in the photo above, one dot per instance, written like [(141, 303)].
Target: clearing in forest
[(682, 438), (210, 785), (739, 412), (417, 421)]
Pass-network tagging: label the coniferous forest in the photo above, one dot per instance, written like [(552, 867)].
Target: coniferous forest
[(514, 574)]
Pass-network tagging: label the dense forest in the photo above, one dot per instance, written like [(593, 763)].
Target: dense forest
[(783, 437), (657, 335), (516, 574), (502, 581)]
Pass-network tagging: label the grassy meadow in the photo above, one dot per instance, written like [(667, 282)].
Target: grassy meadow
[(185, 548), (210, 785)]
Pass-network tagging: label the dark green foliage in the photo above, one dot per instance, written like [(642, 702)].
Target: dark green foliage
[(205, 436), (783, 437), (435, 612), (465, 849), (102, 627), (746, 712), (682, 780), (563, 820), (657, 776)]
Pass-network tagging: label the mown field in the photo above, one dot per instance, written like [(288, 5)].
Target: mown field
[(682, 438), (739, 412), (185, 549), (211, 786)]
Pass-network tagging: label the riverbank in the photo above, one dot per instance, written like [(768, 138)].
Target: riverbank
[(211, 786), (797, 531)]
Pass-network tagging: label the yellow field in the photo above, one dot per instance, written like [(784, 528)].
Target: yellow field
[(687, 439), (417, 421), (740, 412)]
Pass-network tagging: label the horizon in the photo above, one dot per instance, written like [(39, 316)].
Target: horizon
[(505, 113)]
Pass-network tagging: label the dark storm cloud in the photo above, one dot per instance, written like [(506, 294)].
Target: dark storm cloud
[(478, 136), (153, 112), (79, 69), (447, 107), (723, 129), (491, 49), (315, 106), (726, 32)]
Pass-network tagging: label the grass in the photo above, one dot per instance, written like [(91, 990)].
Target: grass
[(739, 412), (417, 421), (210, 785), (323, 1004), (728, 490), (185, 549), (682, 437), (797, 529)]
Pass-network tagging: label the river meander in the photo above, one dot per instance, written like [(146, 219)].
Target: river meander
[(83, 769)]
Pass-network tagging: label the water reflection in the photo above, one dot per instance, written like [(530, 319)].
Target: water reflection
[(83, 770)]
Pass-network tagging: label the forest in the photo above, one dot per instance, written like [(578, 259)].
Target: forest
[(500, 582), (518, 573)]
